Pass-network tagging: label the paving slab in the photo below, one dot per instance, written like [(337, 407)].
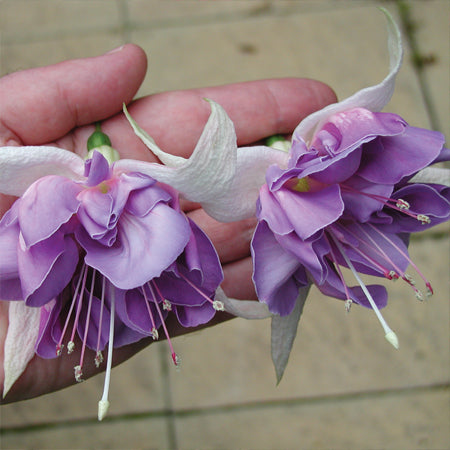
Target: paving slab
[(313, 44), (435, 47), (128, 434), (412, 421)]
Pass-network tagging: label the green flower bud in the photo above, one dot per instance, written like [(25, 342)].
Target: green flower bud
[(278, 142), (98, 138)]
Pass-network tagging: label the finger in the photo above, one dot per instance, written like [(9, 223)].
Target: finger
[(237, 281), (40, 105), (257, 108), (231, 240)]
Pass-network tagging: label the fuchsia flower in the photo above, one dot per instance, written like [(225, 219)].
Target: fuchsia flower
[(101, 250), (339, 203), (104, 246), (352, 185)]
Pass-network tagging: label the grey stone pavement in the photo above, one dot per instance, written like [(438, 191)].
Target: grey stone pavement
[(344, 387)]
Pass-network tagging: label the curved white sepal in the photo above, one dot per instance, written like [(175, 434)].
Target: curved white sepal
[(284, 330), (247, 309), (22, 166), (23, 330), (238, 201), (207, 172), (432, 175), (373, 98)]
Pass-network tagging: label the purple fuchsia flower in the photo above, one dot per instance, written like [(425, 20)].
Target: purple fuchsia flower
[(345, 200), (352, 185), (100, 250)]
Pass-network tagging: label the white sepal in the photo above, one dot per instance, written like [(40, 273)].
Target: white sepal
[(207, 172), (22, 166), (373, 98), (432, 175), (247, 309), (238, 201), (284, 330), (23, 330)]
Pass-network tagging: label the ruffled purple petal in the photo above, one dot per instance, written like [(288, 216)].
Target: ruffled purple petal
[(46, 268), (47, 204), (277, 274), (145, 246), (363, 198), (389, 159), (309, 212)]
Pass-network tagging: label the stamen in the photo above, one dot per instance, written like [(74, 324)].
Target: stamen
[(70, 347), (60, 346), (77, 315), (390, 336), (98, 356), (78, 374), (167, 306), (175, 358), (410, 261), (393, 275), (217, 304), (402, 204), (348, 301), (103, 404), (398, 205), (423, 219), (86, 329), (348, 304), (153, 331)]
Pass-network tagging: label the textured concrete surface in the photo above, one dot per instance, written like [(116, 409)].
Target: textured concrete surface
[(344, 387)]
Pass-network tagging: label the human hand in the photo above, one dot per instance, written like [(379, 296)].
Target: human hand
[(57, 105)]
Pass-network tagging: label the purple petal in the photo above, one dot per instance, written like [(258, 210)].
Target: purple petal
[(423, 199), (10, 287), (333, 287), (136, 312), (50, 330), (46, 268), (389, 159), (192, 316), (275, 272), (309, 212), (145, 246), (45, 206), (309, 253), (363, 198), (96, 169)]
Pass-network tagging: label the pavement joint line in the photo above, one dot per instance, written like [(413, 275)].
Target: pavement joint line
[(230, 408), (419, 60), (260, 12)]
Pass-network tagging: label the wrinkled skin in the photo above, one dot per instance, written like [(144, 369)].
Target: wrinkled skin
[(57, 105)]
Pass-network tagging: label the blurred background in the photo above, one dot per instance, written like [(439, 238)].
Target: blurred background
[(344, 386)]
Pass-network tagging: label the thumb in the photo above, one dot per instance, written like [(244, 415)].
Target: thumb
[(41, 105)]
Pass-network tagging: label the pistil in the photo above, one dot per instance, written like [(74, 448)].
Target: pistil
[(103, 404)]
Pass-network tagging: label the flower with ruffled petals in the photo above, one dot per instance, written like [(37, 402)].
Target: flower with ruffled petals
[(340, 202), (104, 253)]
